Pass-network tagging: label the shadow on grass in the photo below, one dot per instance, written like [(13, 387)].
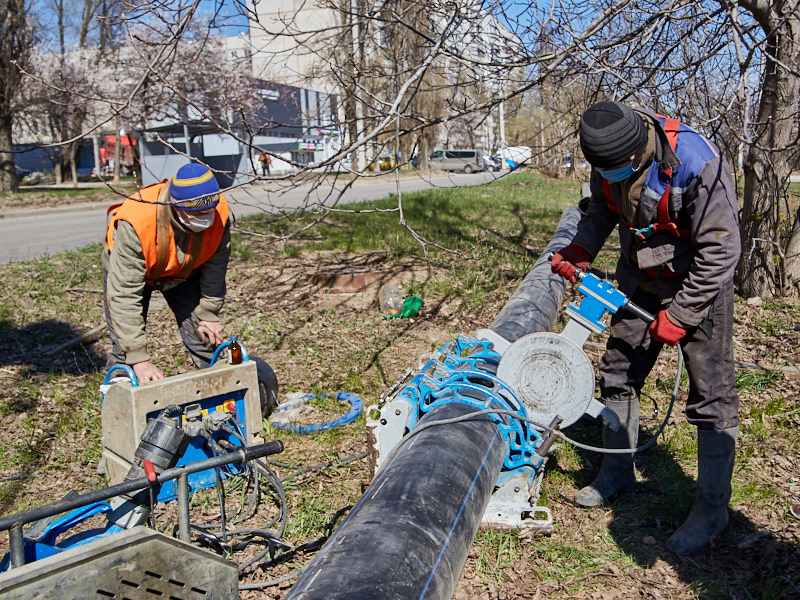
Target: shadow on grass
[(746, 561), (39, 347), (33, 356)]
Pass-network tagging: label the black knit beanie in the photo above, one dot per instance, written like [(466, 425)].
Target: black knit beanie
[(611, 133)]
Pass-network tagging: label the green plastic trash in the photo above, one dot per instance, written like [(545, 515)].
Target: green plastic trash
[(410, 308)]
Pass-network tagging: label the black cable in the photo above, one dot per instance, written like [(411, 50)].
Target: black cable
[(253, 469), (272, 478), (258, 472), (331, 463), (256, 485), (273, 542), (221, 498), (311, 546), (272, 582)]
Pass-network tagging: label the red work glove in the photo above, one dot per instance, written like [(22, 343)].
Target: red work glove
[(568, 259), (665, 331)]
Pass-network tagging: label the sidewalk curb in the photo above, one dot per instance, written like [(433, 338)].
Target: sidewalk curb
[(29, 212)]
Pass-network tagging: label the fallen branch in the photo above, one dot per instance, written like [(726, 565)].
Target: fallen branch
[(789, 371), (89, 336)]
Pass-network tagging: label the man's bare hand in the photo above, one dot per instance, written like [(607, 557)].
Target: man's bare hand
[(147, 371), (210, 333)]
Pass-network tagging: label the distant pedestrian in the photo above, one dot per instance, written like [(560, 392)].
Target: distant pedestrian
[(265, 160)]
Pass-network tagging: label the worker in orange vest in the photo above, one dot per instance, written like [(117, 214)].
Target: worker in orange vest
[(173, 236)]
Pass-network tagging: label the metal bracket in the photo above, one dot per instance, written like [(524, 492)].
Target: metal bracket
[(499, 343), (510, 507), (387, 430)]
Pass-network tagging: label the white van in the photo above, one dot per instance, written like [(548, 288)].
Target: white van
[(468, 161)]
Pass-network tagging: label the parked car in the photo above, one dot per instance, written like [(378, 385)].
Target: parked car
[(492, 163), (384, 163), (469, 161)]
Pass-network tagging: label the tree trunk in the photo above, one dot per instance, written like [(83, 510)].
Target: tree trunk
[(793, 258), (422, 157), (137, 161), (8, 171), (118, 156), (58, 165), (74, 147), (764, 270)]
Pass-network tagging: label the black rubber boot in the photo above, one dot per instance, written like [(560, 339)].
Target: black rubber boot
[(709, 514), (616, 473)]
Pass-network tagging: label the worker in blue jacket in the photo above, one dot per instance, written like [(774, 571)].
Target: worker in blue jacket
[(670, 193)]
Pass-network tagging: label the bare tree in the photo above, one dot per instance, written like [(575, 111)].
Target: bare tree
[(771, 259), (409, 73), (16, 41)]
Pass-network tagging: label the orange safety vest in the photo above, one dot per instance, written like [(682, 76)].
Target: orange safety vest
[(148, 211)]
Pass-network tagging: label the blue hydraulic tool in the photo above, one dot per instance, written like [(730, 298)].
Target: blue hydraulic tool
[(599, 296)]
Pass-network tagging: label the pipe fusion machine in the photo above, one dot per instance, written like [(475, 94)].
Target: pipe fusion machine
[(464, 440), (161, 441)]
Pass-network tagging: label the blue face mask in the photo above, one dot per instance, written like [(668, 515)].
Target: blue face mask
[(617, 175)]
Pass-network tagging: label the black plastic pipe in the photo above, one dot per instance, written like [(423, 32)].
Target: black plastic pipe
[(410, 533), (535, 304)]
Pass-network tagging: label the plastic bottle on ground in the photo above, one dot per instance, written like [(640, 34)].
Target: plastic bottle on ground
[(293, 406), (390, 298)]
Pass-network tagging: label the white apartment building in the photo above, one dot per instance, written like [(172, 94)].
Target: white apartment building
[(286, 35)]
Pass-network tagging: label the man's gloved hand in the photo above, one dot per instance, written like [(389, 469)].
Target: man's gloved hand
[(568, 259), (664, 330)]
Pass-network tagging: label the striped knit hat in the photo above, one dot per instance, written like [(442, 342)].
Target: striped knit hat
[(193, 188)]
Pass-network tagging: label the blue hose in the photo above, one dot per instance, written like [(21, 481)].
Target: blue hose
[(128, 370), (105, 385), (357, 405)]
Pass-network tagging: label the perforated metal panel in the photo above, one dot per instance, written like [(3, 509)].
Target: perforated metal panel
[(140, 564)]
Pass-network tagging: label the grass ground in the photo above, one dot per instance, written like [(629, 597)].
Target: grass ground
[(328, 342)]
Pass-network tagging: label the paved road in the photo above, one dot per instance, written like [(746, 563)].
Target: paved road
[(26, 235)]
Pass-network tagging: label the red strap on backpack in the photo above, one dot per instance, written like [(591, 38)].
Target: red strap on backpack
[(671, 127)]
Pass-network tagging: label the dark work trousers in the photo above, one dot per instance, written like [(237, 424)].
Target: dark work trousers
[(631, 353), (182, 300)]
